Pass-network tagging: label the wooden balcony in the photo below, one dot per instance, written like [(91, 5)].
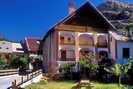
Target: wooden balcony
[(86, 44), (104, 45), (66, 43)]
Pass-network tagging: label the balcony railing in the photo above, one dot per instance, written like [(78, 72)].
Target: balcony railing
[(103, 45), (67, 43), (86, 44)]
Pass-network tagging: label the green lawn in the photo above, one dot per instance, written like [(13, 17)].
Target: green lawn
[(68, 85)]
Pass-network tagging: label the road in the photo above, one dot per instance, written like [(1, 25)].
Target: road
[(5, 81)]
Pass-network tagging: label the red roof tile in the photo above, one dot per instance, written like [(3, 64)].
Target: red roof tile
[(32, 44)]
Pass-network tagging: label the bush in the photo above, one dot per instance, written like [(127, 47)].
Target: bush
[(20, 62)]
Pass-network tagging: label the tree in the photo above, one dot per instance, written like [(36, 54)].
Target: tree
[(3, 62), (20, 62), (88, 63), (119, 69)]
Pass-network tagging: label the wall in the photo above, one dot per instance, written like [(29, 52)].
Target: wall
[(6, 47), (121, 45)]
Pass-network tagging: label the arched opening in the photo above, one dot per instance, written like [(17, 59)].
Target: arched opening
[(103, 54), (86, 40), (101, 41)]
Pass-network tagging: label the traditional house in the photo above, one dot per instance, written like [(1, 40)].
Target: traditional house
[(84, 30), (31, 46)]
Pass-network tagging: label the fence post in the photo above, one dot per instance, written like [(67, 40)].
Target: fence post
[(22, 79)]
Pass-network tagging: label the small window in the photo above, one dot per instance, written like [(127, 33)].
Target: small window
[(7, 48), (69, 39), (126, 52)]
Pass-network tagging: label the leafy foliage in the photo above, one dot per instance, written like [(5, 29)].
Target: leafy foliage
[(120, 69)]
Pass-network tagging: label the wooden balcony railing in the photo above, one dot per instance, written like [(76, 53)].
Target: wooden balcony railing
[(66, 43), (86, 44), (104, 45)]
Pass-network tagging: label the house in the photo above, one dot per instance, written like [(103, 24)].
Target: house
[(121, 47), (10, 48), (5, 47), (31, 46), (17, 49), (83, 30)]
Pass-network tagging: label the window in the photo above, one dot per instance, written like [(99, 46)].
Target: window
[(69, 39), (7, 48), (0, 47), (126, 52)]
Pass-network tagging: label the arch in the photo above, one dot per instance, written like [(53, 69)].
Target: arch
[(103, 54), (101, 41), (85, 40)]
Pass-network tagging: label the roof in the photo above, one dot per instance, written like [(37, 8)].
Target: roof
[(85, 5), (32, 44), (118, 36)]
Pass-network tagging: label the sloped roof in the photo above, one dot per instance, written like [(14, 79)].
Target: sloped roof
[(32, 44), (89, 5)]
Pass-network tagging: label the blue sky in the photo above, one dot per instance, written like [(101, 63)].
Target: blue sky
[(32, 18)]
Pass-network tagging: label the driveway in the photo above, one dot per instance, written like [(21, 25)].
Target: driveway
[(5, 81)]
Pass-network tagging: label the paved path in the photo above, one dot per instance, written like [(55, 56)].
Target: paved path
[(5, 81)]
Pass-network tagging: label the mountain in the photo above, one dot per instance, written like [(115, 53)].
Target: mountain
[(118, 13)]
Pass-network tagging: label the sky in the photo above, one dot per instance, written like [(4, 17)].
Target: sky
[(33, 18)]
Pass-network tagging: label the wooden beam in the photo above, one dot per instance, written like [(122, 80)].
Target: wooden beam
[(76, 28)]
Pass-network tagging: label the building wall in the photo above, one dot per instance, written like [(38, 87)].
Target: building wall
[(113, 48), (50, 52), (17, 48), (5, 47), (121, 45)]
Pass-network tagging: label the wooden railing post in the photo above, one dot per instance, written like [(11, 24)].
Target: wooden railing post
[(22, 79)]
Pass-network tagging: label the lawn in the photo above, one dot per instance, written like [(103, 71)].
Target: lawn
[(68, 85)]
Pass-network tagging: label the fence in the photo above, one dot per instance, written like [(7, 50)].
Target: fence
[(20, 81), (8, 72)]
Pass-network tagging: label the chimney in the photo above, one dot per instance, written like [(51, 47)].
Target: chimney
[(71, 8)]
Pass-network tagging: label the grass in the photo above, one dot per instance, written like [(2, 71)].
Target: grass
[(69, 85)]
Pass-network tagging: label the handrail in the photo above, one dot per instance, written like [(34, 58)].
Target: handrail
[(8, 72), (25, 78)]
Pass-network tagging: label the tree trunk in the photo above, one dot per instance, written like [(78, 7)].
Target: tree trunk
[(120, 79)]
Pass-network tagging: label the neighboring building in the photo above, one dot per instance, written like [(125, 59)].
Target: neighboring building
[(83, 30), (31, 46), (17, 49), (121, 47), (7, 48)]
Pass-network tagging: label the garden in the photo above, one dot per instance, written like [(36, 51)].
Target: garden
[(90, 73)]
